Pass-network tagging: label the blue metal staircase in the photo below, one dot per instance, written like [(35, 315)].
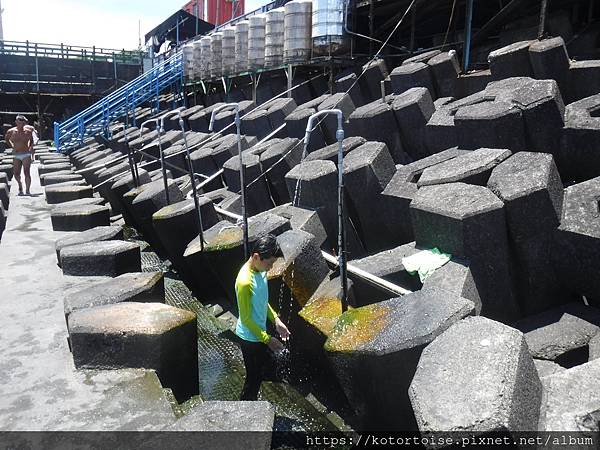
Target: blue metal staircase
[(121, 103)]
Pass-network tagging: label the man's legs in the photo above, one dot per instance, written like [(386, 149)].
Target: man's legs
[(17, 173), (26, 169), (255, 356)]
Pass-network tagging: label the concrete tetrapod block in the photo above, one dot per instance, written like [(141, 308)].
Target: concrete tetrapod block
[(412, 110), (545, 368), (141, 335), (279, 109), (80, 218), (239, 425), (495, 385), (224, 249), (374, 72), (572, 400), (141, 287), (367, 170), (511, 61), (408, 76), (550, 61), (55, 179), (258, 198), (421, 57), (279, 159), (102, 233), (150, 200), (562, 334), (577, 241), (584, 79), (472, 168), (303, 220), (56, 167), (53, 174), (594, 347), (490, 124), (123, 185), (469, 221), (4, 196), (8, 170), (4, 180), (445, 70), (330, 153), (579, 160), (348, 83), (60, 194), (296, 128), (530, 187), (372, 342), (376, 122), (341, 101), (396, 197), (313, 185), (104, 258), (257, 123), (176, 226)]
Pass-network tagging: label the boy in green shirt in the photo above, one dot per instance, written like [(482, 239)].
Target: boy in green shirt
[(252, 292)]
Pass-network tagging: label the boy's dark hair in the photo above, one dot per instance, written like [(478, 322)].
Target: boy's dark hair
[(267, 247)]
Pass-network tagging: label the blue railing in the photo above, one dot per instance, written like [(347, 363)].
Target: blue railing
[(119, 104)]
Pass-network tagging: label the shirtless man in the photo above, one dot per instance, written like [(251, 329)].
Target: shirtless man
[(20, 138)]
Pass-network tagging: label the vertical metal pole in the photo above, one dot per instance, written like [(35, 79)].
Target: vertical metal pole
[(542, 27), (468, 31), (162, 166), (290, 79), (37, 71), (193, 181), (243, 185), (341, 224)]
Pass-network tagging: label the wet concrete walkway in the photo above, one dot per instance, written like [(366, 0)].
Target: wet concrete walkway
[(39, 386)]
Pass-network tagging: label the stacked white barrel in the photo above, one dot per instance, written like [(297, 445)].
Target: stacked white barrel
[(241, 46), (274, 35), (205, 57), (197, 75), (256, 42), (297, 42), (228, 51), (188, 60), (216, 50), (328, 37)]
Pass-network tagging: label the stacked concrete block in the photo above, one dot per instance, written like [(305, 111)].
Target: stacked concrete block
[(150, 200), (257, 123), (313, 185), (412, 111), (594, 347), (53, 174), (330, 153), (224, 249), (395, 199), (347, 82), (96, 234), (258, 198), (367, 170), (472, 82), (141, 287), (200, 120), (550, 61), (571, 400), (511, 61), (408, 76), (445, 70), (104, 258), (474, 167), (296, 128), (469, 221), (563, 334), (148, 335), (122, 186), (4, 195), (584, 79), (371, 342), (530, 187), (376, 122), (53, 167), (495, 385), (577, 240), (49, 180), (374, 72), (80, 218), (279, 109), (579, 160), (329, 123), (490, 124), (278, 159), (546, 368)]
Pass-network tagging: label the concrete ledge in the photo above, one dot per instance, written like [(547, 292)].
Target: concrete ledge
[(102, 233), (60, 194), (106, 258), (80, 218)]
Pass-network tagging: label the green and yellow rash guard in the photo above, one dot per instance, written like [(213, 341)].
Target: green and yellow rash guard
[(252, 292)]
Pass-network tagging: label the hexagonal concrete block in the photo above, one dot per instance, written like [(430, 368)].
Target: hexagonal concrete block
[(141, 287), (7, 169), (550, 61), (584, 79), (372, 342), (472, 168), (495, 385), (469, 221), (53, 167), (545, 368), (60, 194), (50, 179), (330, 152), (80, 218), (101, 233), (104, 258), (303, 220), (145, 335), (445, 70), (511, 61), (411, 75)]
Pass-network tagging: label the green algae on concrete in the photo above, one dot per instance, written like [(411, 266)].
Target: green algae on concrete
[(356, 327), (322, 313)]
